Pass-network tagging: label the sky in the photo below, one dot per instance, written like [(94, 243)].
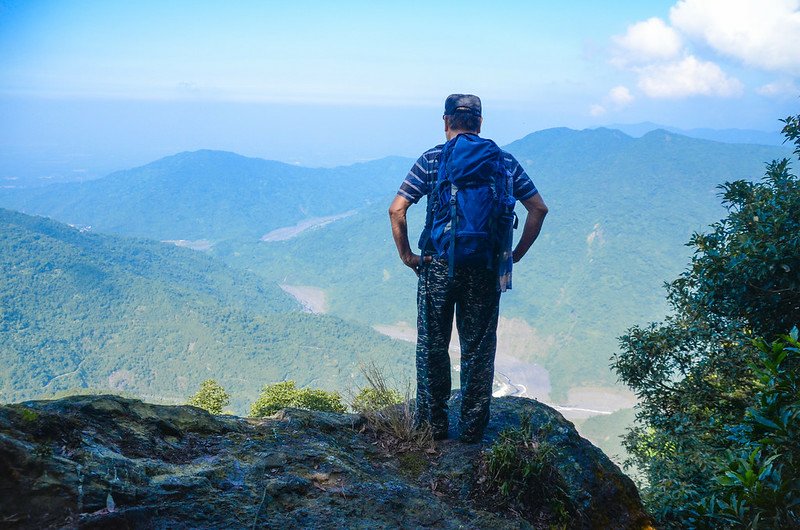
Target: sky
[(93, 86)]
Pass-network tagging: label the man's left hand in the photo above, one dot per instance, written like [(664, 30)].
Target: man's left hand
[(413, 261)]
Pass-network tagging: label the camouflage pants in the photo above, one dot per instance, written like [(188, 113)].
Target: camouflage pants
[(473, 296)]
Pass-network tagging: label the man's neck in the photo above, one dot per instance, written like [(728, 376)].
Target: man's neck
[(452, 133)]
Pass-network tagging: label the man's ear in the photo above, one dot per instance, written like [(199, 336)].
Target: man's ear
[(446, 127), (479, 125)]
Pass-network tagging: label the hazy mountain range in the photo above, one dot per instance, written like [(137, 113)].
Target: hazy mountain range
[(622, 209), (40, 165), (211, 195)]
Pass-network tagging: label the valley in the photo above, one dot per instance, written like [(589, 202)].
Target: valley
[(318, 240)]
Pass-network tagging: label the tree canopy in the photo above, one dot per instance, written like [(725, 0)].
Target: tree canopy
[(695, 373), (211, 397)]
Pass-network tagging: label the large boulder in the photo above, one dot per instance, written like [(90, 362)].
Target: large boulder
[(111, 462)]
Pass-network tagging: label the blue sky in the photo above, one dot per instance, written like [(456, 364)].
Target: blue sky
[(336, 82)]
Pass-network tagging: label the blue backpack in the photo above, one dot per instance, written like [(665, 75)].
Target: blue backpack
[(471, 209)]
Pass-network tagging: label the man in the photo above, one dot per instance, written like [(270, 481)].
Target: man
[(470, 291)]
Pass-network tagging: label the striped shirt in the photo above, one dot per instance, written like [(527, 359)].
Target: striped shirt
[(421, 179)]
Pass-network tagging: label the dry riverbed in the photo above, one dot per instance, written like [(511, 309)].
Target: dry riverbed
[(313, 299)]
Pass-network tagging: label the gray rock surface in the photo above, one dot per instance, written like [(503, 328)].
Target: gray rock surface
[(111, 462)]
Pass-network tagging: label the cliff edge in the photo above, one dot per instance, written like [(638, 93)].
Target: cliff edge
[(110, 462)]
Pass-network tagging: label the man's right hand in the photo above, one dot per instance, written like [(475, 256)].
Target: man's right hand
[(397, 215)]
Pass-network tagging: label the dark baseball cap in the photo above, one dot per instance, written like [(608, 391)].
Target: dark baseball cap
[(462, 103)]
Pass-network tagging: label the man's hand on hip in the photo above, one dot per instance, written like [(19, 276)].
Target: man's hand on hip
[(537, 210), (397, 214), (413, 261)]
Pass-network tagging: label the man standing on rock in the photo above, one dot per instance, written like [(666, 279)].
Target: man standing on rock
[(465, 261)]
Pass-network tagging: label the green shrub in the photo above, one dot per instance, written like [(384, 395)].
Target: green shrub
[(277, 396), (315, 399), (518, 474), (273, 398), (758, 484), (27, 414), (372, 399), (211, 397)]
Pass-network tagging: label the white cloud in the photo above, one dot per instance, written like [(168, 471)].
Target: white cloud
[(646, 41), (597, 110), (688, 77), (781, 88), (760, 33), (620, 96)]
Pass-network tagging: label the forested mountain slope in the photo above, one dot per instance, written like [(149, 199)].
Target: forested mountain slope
[(88, 310)]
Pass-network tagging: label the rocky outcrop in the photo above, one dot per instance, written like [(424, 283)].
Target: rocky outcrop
[(110, 462)]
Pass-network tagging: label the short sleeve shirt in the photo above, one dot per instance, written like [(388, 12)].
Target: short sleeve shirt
[(421, 179)]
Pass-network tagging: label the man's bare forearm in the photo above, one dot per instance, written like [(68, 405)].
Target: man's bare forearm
[(537, 210), (397, 216), (400, 234)]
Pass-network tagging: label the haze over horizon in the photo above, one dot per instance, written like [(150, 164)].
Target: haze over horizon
[(89, 88)]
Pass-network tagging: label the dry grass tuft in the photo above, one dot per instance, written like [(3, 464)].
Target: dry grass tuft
[(389, 413)]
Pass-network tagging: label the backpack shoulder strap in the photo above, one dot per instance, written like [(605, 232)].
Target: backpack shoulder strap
[(425, 238)]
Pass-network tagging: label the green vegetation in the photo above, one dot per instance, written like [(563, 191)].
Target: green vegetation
[(277, 396), (378, 394), (370, 399), (28, 415), (756, 483), (83, 310), (697, 374), (520, 475), (211, 397)]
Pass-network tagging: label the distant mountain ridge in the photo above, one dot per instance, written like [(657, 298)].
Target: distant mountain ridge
[(218, 195), (207, 195), (732, 136)]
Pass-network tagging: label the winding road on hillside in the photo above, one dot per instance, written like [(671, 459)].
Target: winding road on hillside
[(65, 374)]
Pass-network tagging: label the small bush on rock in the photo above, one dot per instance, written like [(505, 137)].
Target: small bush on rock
[(370, 399), (518, 474), (211, 397), (277, 396)]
